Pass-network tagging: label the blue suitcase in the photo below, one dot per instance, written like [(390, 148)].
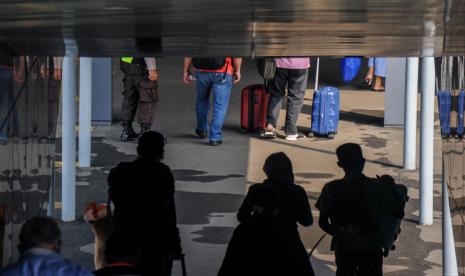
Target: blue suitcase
[(444, 104), (325, 112), (460, 109)]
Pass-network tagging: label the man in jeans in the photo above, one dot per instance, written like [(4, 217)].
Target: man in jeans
[(294, 73), (213, 75)]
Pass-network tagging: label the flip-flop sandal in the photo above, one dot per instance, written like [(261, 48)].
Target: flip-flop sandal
[(365, 84), (269, 135)]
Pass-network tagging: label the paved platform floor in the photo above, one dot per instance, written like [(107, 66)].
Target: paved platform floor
[(211, 181)]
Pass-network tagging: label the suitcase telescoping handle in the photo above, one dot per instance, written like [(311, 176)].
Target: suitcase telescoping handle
[(317, 72)]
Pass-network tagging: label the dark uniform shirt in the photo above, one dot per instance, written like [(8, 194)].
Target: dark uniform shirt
[(143, 194)]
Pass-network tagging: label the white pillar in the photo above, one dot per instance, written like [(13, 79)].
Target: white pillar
[(410, 114), (68, 178), (85, 109), (449, 258), (427, 140)]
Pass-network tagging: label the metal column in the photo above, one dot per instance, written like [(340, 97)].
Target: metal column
[(410, 114), (68, 178), (449, 258), (85, 110), (427, 140)]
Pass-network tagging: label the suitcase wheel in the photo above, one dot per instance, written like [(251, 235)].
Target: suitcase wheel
[(243, 130), (331, 135), (310, 135)]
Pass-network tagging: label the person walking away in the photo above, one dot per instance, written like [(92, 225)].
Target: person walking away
[(140, 94), (213, 76), (264, 245), (6, 99), (293, 72), (376, 71), (39, 246), (295, 207), (348, 211), (142, 191)]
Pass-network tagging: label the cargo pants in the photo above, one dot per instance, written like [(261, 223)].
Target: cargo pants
[(140, 95)]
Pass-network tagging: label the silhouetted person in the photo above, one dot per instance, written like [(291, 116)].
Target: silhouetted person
[(39, 246), (143, 194), (121, 256), (294, 202), (263, 245), (348, 209)]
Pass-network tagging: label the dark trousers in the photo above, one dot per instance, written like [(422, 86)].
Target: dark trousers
[(364, 263), (49, 99), (6, 102), (296, 80), (53, 93), (141, 95)]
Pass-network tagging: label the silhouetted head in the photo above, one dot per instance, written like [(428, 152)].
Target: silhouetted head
[(265, 200), (152, 145), (278, 168), (350, 158), (40, 232), (122, 247)]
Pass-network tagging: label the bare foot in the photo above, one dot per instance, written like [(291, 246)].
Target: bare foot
[(378, 86)]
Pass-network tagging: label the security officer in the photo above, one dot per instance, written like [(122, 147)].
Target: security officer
[(140, 94)]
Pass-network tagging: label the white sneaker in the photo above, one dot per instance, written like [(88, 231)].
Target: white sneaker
[(295, 137)]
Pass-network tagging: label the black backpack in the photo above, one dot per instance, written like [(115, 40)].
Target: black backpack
[(209, 63)]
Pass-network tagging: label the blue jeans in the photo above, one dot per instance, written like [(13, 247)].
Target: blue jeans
[(219, 84)]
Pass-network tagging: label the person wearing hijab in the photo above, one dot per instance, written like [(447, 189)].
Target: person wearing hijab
[(295, 207)]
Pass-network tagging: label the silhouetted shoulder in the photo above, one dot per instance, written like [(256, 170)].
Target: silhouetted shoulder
[(325, 201), (164, 167), (332, 185), (298, 189), (118, 171)]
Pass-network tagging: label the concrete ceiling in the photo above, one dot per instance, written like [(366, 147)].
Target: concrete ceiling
[(239, 27)]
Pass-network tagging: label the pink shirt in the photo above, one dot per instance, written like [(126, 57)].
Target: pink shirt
[(293, 63)]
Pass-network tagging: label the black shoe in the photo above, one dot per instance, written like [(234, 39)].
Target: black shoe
[(215, 142), (128, 133), (144, 128), (201, 133)]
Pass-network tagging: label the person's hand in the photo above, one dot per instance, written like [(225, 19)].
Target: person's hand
[(95, 213), (153, 75), (18, 76), (187, 78), (237, 77), (57, 74), (43, 72), (175, 256)]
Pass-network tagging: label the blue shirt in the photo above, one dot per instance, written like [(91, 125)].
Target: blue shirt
[(43, 262)]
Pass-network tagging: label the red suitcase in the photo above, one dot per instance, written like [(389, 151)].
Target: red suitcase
[(254, 105)]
